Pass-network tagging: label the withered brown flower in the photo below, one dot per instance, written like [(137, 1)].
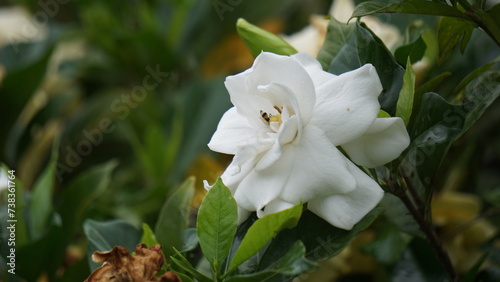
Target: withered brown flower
[(119, 265)]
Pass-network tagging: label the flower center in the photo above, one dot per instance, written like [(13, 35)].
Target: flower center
[(274, 121)]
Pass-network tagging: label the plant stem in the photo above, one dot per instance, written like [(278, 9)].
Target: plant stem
[(428, 230)]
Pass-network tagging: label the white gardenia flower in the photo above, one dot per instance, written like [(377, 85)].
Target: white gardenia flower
[(288, 118)]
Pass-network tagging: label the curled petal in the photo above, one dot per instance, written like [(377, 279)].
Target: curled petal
[(384, 141), (345, 210), (288, 132), (348, 104), (247, 103), (270, 68), (233, 131)]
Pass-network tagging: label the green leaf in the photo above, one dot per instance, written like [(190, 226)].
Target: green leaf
[(489, 21), (190, 240), (337, 36), (439, 124), (397, 213), (148, 237), (258, 40), (262, 231), (406, 96), (470, 276), (430, 85), (389, 245), (419, 261), (216, 224), (103, 236), (174, 218), (451, 31), (359, 46), (383, 114), (419, 7), (415, 51), (183, 263), (81, 192), (473, 75), (41, 207), (322, 240), (291, 264)]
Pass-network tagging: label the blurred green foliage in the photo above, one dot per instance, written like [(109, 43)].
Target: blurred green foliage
[(105, 116)]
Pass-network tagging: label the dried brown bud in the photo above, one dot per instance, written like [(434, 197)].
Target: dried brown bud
[(119, 265)]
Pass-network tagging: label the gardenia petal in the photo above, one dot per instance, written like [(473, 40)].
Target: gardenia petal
[(347, 105), (232, 132), (313, 68), (317, 168), (274, 206), (384, 141), (247, 104), (287, 134), (244, 162), (345, 210)]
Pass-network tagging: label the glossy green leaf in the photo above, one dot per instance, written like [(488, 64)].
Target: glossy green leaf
[(258, 40), (185, 265), (420, 7), (174, 218), (359, 46), (336, 38), (148, 236), (103, 236), (216, 224), (321, 239), (404, 106), (414, 51), (262, 231), (291, 264), (81, 192), (451, 32), (438, 124)]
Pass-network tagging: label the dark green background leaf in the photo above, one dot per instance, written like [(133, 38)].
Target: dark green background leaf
[(359, 47), (414, 50), (174, 218), (103, 236), (420, 7)]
